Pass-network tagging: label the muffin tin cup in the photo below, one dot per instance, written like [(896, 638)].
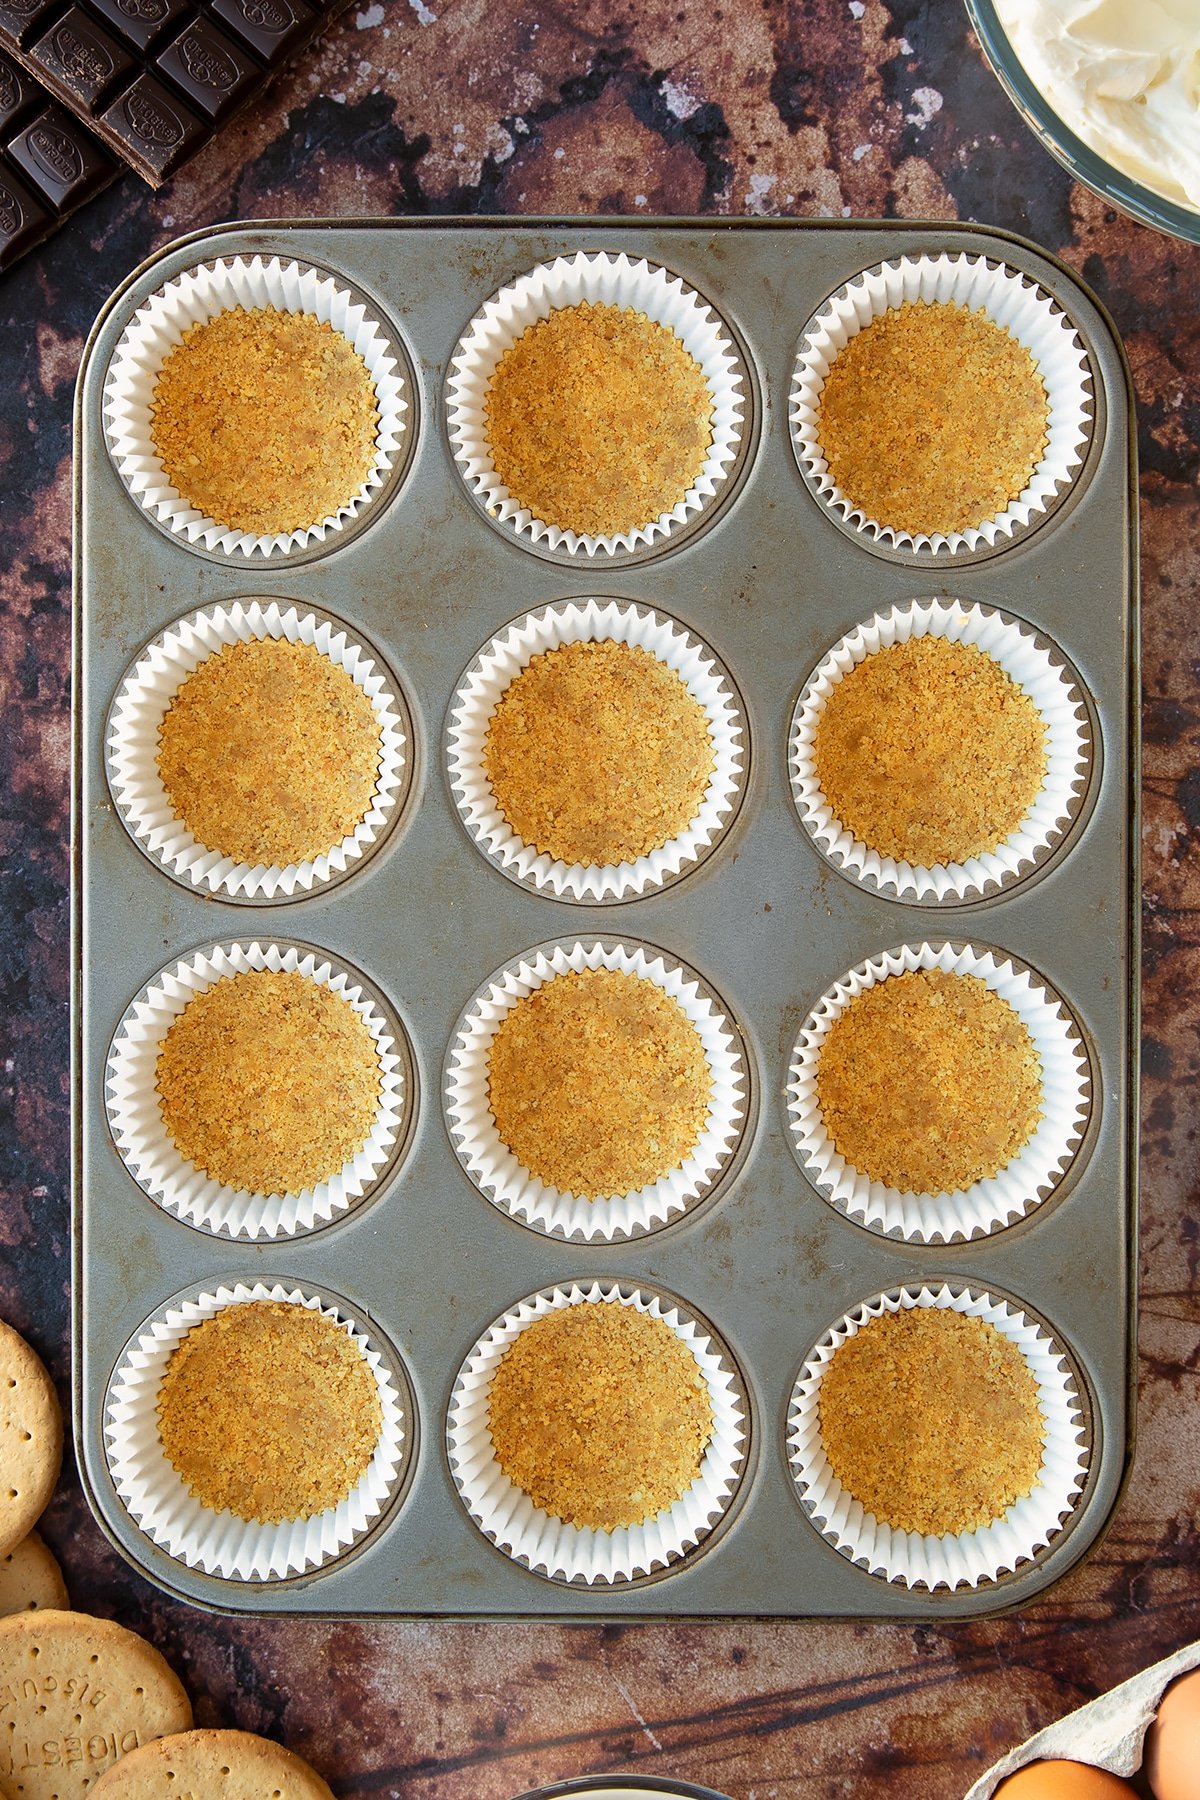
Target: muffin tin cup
[(573, 1553), (222, 1543), (987, 1205), (600, 279), (967, 1558), (1010, 299), (594, 621), (147, 1149), (492, 1166), (196, 296), (1046, 679), (144, 698)]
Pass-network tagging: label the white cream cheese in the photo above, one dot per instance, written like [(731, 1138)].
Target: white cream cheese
[(1124, 76)]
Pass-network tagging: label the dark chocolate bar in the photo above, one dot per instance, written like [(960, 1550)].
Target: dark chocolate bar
[(144, 83)]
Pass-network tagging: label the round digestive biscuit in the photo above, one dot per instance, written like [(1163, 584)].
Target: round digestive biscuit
[(31, 1580), (212, 1765), (928, 751), (76, 1694), (929, 1082), (269, 752), (598, 1083), (268, 1081), (31, 1438), (598, 753)]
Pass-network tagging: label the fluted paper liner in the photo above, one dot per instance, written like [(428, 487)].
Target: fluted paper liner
[(604, 279), (985, 1206), (506, 1182), (484, 684), (221, 1543), (1052, 688), (195, 297), (1010, 299), (547, 1545), (956, 1559), (1108, 1733), (132, 742), (149, 1152)]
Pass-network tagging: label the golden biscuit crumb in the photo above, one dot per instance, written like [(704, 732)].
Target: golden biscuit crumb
[(929, 1081), (598, 1083), (269, 753), (598, 753), (269, 1410), (268, 1082), (933, 418), (930, 752), (930, 1418), (598, 419), (265, 420), (601, 1414)]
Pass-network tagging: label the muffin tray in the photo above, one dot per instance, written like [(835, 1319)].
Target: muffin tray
[(767, 578)]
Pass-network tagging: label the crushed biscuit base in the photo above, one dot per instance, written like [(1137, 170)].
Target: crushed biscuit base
[(269, 753), (269, 1410), (598, 419), (930, 1418), (268, 1082), (930, 752), (265, 420), (929, 1081), (598, 1083), (601, 1414), (598, 753), (933, 418)]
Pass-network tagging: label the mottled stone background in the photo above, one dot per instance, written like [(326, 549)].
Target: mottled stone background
[(825, 108)]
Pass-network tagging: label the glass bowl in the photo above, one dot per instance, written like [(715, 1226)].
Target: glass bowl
[(1074, 155)]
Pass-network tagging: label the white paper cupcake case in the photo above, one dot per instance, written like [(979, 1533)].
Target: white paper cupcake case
[(493, 1167), (193, 298), (548, 1546), (987, 1205), (150, 1154), (593, 621), (613, 280), (135, 722), (954, 1560), (1053, 688), (1011, 300), (221, 1543)]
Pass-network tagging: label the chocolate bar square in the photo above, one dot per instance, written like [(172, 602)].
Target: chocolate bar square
[(272, 29), (63, 162), (155, 130), (83, 57), (209, 70), (20, 96), (140, 23), (23, 219)]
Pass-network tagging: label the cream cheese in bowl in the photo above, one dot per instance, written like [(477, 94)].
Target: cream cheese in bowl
[(1124, 76)]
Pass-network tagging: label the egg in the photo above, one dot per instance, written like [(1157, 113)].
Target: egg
[(1064, 1781), (1172, 1748)]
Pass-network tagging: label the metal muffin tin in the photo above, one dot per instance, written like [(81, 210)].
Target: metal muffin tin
[(769, 582)]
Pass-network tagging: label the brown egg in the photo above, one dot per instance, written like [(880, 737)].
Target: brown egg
[(1064, 1781), (1172, 1751)]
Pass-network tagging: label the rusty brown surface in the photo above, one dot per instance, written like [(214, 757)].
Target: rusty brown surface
[(453, 105)]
